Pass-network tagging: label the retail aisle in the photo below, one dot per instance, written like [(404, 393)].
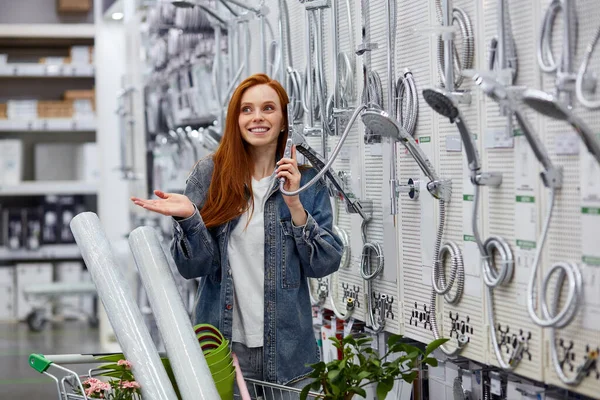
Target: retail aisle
[(17, 379)]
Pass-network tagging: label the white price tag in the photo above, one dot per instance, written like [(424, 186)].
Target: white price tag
[(496, 386)]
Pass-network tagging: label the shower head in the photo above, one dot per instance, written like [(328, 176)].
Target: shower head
[(441, 103), (379, 122), (444, 105), (548, 105), (183, 3)]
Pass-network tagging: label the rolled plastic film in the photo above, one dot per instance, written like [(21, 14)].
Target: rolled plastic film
[(123, 313), (191, 371)]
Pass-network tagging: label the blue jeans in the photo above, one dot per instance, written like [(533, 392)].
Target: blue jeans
[(251, 364)]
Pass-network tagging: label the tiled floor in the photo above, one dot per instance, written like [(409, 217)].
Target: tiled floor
[(17, 379)]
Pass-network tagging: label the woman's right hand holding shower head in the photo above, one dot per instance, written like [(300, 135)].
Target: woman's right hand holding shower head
[(169, 204)]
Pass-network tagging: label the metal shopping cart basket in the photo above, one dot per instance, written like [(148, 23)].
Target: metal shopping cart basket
[(68, 381)]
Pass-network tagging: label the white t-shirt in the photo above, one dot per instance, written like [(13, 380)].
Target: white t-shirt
[(246, 252)]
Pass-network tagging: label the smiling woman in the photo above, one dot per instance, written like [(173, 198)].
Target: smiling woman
[(253, 246)]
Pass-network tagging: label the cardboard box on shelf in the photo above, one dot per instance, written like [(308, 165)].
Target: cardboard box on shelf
[(55, 109), (80, 94), (74, 6), (3, 111)]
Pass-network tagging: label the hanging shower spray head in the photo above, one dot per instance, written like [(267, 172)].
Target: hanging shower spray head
[(184, 3), (382, 124), (548, 105), (443, 104)]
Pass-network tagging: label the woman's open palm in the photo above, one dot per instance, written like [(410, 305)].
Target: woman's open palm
[(169, 204)]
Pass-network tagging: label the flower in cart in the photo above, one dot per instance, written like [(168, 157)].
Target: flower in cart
[(97, 388), (130, 385), (125, 363)]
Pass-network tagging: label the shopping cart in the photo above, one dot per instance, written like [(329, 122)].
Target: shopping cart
[(69, 382)]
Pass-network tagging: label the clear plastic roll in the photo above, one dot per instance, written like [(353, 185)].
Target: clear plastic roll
[(191, 371), (121, 308)]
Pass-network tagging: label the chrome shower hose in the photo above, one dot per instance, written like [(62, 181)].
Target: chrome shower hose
[(545, 56), (493, 276), (468, 45), (593, 104), (438, 280), (407, 101), (551, 317)]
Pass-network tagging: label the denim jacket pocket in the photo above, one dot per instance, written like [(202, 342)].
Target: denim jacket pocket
[(290, 260)]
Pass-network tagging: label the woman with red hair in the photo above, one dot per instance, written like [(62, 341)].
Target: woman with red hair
[(253, 246)]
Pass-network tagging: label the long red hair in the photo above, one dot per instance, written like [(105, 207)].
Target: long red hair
[(231, 184)]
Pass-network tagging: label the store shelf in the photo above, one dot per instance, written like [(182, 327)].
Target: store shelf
[(34, 188), (48, 125), (47, 252), (32, 70), (44, 31)]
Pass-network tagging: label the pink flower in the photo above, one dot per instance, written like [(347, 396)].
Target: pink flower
[(125, 363), (97, 387), (130, 385), (91, 381)]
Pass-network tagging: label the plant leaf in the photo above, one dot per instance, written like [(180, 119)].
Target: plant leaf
[(333, 374), (434, 345), (359, 391), (383, 389), (363, 375), (304, 392), (431, 361), (393, 339)]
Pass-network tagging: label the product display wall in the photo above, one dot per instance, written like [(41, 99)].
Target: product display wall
[(513, 211)]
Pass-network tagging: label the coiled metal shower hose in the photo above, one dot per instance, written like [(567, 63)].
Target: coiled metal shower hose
[(468, 46), (377, 324), (593, 104), (492, 276), (545, 56), (551, 318), (439, 285), (407, 102)]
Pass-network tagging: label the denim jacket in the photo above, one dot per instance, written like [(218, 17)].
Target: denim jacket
[(292, 254)]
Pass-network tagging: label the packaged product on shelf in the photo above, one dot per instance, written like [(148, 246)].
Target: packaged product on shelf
[(11, 161), (22, 109), (33, 224), (3, 114), (50, 228), (55, 60), (13, 227), (81, 55), (68, 206)]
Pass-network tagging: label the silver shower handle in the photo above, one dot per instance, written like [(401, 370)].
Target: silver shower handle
[(469, 144), (417, 153)]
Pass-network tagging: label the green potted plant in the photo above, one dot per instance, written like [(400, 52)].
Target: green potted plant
[(361, 365)]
